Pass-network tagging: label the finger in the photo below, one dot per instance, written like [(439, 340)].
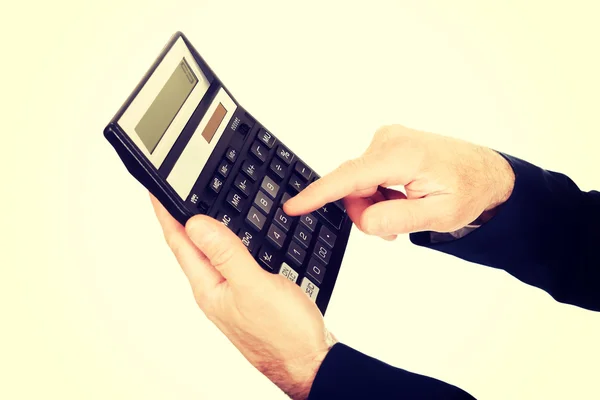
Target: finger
[(355, 207), (394, 217), (355, 175), (201, 274), (224, 250)]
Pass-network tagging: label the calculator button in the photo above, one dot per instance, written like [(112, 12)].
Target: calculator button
[(259, 151), (263, 202), (270, 187), (278, 167), (235, 200), (256, 219), (231, 154), (309, 288), (285, 154), (243, 129), (224, 168), (303, 236), (296, 253), (310, 221), (276, 236), (226, 219), (248, 239), (332, 213), (322, 252), (283, 220), (288, 272), (303, 170), (316, 270), (327, 236), (284, 198), (267, 138), (249, 168), (267, 257), (216, 184), (243, 184), (296, 183)]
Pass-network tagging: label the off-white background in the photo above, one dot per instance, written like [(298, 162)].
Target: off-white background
[(93, 305)]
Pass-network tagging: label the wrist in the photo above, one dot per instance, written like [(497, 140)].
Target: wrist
[(295, 378), (502, 183)]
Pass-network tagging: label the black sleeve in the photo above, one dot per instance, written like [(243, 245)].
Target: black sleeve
[(547, 235), (349, 374)]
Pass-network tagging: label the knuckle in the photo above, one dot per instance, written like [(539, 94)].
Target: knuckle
[(354, 164), (222, 252)]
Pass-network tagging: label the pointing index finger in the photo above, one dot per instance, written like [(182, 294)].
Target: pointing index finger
[(354, 175)]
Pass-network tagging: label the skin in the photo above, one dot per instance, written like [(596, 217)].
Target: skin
[(445, 184)]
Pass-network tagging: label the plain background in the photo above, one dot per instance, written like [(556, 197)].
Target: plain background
[(94, 306)]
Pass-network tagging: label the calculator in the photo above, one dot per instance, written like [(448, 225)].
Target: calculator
[(185, 138)]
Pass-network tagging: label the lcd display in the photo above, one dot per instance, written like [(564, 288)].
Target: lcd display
[(166, 105)]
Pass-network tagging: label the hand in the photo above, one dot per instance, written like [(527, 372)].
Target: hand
[(448, 183), (268, 318)]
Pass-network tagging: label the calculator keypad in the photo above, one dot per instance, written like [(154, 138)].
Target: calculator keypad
[(255, 181)]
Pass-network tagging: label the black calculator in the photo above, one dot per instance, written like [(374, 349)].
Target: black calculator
[(185, 138)]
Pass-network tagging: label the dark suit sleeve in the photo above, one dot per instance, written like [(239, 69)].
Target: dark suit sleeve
[(349, 374), (546, 235)]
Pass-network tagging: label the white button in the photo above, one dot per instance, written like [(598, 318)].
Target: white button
[(309, 288), (288, 272)]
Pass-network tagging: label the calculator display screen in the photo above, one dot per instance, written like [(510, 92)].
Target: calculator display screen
[(155, 122)]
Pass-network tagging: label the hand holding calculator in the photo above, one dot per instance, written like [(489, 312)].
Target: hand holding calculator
[(184, 137)]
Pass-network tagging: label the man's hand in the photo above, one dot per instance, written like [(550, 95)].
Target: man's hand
[(448, 183), (267, 317)]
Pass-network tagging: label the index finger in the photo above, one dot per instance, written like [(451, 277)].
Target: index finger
[(352, 176)]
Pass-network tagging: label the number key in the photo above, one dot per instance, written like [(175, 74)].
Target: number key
[(283, 220), (322, 252), (296, 254), (263, 202), (286, 196), (276, 236), (316, 270), (310, 221), (269, 186), (302, 236), (256, 219)]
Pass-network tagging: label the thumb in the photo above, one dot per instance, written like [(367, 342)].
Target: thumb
[(400, 216), (223, 249)]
